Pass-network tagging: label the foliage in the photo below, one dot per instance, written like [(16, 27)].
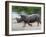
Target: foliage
[(28, 10)]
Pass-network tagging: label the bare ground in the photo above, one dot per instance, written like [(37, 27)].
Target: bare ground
[(19, 26)]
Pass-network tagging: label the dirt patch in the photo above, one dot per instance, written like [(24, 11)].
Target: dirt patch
[(19, 26)]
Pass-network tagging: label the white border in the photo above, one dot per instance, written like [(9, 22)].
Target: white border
[(23, 4)]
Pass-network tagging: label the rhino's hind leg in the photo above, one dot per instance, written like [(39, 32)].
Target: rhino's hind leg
[(37, 23)]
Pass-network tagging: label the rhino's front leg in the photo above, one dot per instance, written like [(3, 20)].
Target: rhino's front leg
[(29, 24), (24, 25)]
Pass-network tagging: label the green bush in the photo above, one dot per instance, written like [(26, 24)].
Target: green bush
[(28, 10)]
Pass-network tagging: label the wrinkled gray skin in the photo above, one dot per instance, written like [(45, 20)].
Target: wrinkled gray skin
[(29, 19)]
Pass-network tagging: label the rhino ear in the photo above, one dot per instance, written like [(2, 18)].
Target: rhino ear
[(21, 15)]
